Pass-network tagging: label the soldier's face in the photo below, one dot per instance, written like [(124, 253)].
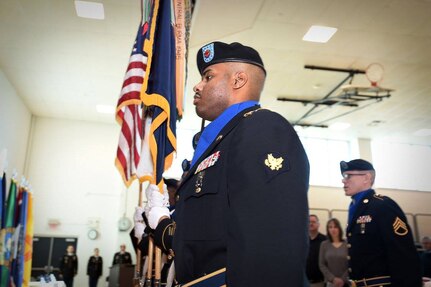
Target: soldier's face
[(213, 92), (355, 182)]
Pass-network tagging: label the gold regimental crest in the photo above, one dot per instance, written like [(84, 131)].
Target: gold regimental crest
[(274, 163), (400, 228)]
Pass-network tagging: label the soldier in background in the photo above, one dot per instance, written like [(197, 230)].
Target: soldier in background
[(69, 266), (380, 242), (122, 257), (94, 268)]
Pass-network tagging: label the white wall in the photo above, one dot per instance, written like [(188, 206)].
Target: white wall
[(15, 119), (71, 167)]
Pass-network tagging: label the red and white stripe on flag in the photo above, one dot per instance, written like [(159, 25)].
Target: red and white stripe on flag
[(131, 144)]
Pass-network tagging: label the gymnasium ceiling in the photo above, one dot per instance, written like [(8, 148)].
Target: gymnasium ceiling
[(62, 65)]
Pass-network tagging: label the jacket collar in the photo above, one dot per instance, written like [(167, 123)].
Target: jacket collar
[(221, 135)]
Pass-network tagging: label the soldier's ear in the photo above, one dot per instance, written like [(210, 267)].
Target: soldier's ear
[(240, 79)]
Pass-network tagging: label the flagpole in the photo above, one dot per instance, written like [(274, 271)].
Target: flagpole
[(137, 278), (150, 263), (158, 267)]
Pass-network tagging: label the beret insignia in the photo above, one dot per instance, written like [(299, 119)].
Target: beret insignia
[(208, 52)]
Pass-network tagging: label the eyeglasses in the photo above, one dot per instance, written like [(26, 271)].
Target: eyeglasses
[(349, 175)]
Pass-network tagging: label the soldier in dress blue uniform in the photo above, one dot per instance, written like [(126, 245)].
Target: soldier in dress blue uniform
[(243, 203), (69, 266), (380, 242), (94, 268)]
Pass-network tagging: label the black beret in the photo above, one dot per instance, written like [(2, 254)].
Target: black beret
[(356, 164), (218, 52)]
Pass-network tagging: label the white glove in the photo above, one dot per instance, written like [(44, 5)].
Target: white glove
[(155, 214), (139, 230), (139, 222), (137, 217), (151, 188), (157, 204)]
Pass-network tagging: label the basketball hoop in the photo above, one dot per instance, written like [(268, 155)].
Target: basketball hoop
[(374, 73)]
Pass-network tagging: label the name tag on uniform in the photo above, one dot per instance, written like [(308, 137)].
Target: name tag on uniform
[(208, 162)]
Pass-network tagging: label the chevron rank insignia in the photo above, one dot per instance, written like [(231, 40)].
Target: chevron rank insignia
[(274, 164), (400, 227)]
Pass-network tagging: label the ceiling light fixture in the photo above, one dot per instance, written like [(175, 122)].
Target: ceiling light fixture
[(91, 10), (105, 109), (339, 126), (319, 34)]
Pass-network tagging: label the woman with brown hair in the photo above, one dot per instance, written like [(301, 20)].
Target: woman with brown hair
[(333, 256)]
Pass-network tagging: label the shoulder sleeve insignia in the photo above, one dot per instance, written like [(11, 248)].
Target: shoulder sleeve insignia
[(400, 227), (274, 163)]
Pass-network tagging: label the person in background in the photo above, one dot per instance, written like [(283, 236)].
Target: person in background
[(122, 257), (314, 275), (333, 256), (381, 247), (172, 186), (94, 268), (241, 211), (426, 257), (69, 266)]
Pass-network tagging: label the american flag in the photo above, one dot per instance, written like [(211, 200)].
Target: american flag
[(152, 92), (130, 113)]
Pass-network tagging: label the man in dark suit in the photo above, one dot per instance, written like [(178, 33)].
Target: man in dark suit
[(314, 275), (381, 247), (122, 257), (243, 204)]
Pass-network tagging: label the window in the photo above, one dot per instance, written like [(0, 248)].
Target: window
[(402, 166), (324, 156)]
